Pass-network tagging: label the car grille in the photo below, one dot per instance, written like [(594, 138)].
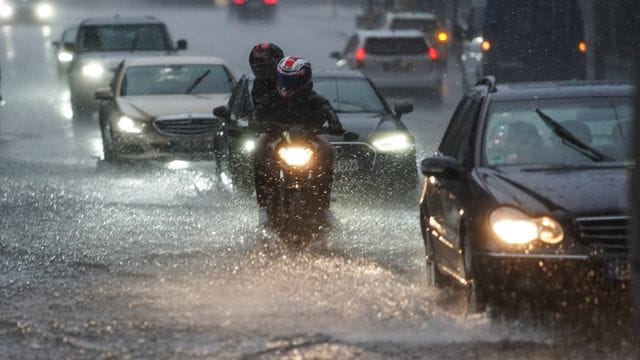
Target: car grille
[(609, 234), (186, 126), (360, 152)]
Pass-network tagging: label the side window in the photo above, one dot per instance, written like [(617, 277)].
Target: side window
[(351, 45), (457, 141)]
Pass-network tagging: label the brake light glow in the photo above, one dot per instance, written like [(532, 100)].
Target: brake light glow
[(582, 47), (443, 37), (239, 2), (361, 54), (270, 2), (433, 54), (486, 46)]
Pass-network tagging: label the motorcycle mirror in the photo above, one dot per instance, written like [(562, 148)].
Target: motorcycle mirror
[(350, 136)]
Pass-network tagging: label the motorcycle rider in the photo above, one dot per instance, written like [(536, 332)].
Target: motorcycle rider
[(297, 104), (263, 59)]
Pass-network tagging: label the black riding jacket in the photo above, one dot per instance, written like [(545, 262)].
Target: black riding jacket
[(308, 109)]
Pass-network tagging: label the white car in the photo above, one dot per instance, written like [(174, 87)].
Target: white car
[(161, 107), (394, 60), (426, 22)]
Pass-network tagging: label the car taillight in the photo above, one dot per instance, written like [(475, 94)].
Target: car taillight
[(582, 47), (433, 54), (270, 2), (361, 55), (239, 2)]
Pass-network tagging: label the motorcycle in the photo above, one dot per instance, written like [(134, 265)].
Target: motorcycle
[(297, 177)]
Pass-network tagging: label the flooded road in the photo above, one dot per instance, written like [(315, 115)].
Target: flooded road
[(166, 260)]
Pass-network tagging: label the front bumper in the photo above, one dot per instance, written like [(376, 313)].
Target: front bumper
[(533, 272), (83, 89), (147, 146)]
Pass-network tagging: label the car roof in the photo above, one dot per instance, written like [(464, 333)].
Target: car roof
[(173, 60), (389, 33), (121, 20), (560, 89), (412, 15), (327, 74)]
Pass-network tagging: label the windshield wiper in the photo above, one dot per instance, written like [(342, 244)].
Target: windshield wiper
[(571, 140), (197, 82)]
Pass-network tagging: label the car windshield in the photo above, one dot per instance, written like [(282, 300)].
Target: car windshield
[(176, 79), (515, 134), (123, 38), (349, 95), (396, 46)]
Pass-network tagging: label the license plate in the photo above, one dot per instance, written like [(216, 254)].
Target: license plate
[(347, 165), (190, 145), (619, 269)]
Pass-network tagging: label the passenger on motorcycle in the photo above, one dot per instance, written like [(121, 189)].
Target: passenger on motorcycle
[(299, 105)]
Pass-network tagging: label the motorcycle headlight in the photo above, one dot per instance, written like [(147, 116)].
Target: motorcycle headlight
[(44, 11), (392, 143), (295, 155), (93, 70), (515, 227), (6, 11), (127, 124)]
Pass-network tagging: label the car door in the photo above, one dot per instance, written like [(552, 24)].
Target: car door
[(447, 198)]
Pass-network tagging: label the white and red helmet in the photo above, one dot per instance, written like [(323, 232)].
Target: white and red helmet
[(293, 75)]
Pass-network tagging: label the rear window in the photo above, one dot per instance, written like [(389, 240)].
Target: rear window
[(424, 25), (396, 46)]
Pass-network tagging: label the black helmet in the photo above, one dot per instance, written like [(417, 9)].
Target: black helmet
[(293, 76), (264, 58)]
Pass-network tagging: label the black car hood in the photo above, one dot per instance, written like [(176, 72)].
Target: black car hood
[(366, 124), (578, 191)]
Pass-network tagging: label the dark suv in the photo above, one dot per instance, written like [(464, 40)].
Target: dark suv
[(102, 43), (528, 191)]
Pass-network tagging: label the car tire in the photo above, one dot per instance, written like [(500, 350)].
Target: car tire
[(476, 292), (435, 277), (110, 154)]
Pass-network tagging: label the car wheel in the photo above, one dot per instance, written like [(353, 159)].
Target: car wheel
[(108, 150), (80, 110), (435, 277), (476, 291)]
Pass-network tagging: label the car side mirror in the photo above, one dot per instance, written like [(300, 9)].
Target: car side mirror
[(181, 44), (104, 94), (350, 136), (221, 112), (443, 167), (55, 43), (70, 47), (403, 108), (336, 55)]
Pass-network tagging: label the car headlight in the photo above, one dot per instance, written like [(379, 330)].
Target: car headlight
[(392, 143), (515, 227), (127, 124), (44, 11), (249, 145), (65, 57), (93, 70), (6, 11), (295, 155)]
